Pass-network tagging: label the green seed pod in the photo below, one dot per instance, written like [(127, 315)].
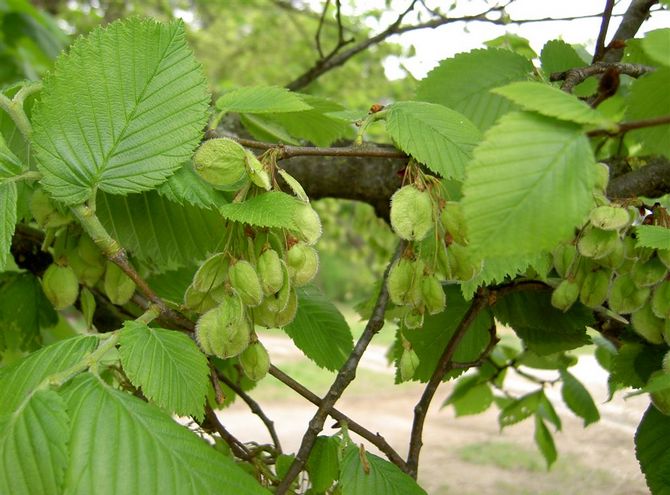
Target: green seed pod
[(433, 295), (666, 334), (400, 280), (87, 301), (305, 272), (648, 273), (277, 302), (264, 316), (224, 331), (270, 272), (256, 171), (595, 287), (119, 288), (221, 162), (255, 361), (200, 302), (565, 294), (244, 279), (89, 252), (660, 301), (88, 274), (308, 223), (453, 222), (661, 398), (666, 362), (626, 297), (293, 183), (610, 217), (409, 362), (44, 211), (413, 318), (615, 259), (564, 256), (602, 176), (648, 325), (664, 256), (60, 285), (463, 265), (411, 213), (212, 273), (597, 243)]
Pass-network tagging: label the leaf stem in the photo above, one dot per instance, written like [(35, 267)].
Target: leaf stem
[(15, 110), (30, 175), (109, 341)]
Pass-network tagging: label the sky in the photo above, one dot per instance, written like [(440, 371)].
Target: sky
[(433, 45)]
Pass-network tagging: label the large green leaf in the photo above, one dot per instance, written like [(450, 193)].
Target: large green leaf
[(547, 100), (578, 399), (323, 464), (136, 100), (320, 330), (21, 378), (652, 449), (120, 444), (186, 187), (649, 97), (364, 474), (464, 83), (261, 99), (545, 441), (167, 366), (24, 310), (440, 138), (653, 236), (33, 453), (526, 166), (471, 395), (8, 198), (162, 234), (429, 342), (634, 363), (656, 43), (271, 209), (559, 56), (543, 328)]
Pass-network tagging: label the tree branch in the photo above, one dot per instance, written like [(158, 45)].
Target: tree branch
[(239, 449), (344, 377), (651, 180), (573, 77), (479, 302), (493, 341), (635, 15), (600, 43), (624, 127), (374, 438)]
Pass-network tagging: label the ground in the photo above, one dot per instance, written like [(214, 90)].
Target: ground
[(466, 455)]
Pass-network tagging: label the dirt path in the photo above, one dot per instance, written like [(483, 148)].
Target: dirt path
[(469, 455)]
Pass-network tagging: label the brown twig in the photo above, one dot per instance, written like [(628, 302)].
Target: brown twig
[(624, 127), (635, 15), (479, 302), (573, 77), (239, 449), (255, 408), (493, 341), (374, 438), (600, 43), (317, 36), (344, 377)]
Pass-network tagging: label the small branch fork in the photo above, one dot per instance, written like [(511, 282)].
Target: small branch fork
[(573, 77), (600, 43)]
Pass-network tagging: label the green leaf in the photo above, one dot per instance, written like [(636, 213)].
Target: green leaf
[(171, 285), (552, 102), (323, 464), (578, 399), (136, 100), (8, 198), (374, 475), (513, 42), (319, 330), (559, 56), (495, 270), (526, 163), (656, 43), (649, 97), (33, 453), (160, 233), (653, 236), (464, 83), (543, 328), (22, 377), (430, 341), (186, 187), (24, 310), (652, 449), (634, 363), (273, 209), (440, 138), (545, 441), (120, 444), (520, 409), (261, 99), (546, 411), (470, 396), (10, 164), (167, 365), (265, 130)]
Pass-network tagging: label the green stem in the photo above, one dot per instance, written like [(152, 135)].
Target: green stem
[(91, 224), (90, 360), (27, 90), (14, 109), (152, 312), (27, 176)]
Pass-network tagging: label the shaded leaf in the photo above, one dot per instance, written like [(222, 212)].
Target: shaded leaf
[(8, 199), (319, 330), (545, 441), (649, 97), (136, 100), (470, 396), (578, 399), (323, 464), (261, 99), (656, 43), (634, 363), (167, 365), (520, 409), (652, 449), (559, 56)]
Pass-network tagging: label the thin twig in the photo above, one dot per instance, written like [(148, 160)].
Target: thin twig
[(600, 43), (239, 449), (493, 340), (255, 408), (344, 377), (317, 36), (624, 127), (573, 77), (374, 438), (479, 302)]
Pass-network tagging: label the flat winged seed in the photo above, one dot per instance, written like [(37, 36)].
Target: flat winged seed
[(597, 243), (255, 361), (244, 280), (60, 285), (307, 223), (610, 217), (411, 213), (221, 162)]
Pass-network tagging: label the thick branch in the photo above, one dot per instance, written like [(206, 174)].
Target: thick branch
[(573, 77), (652, 180), (637, 13), (600, 43), (344, 377)]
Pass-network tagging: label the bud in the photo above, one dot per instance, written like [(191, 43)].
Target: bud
[(626, 297), (270, 272), (307, 223), (255, 361), (60, 285), (411, 213), (221, 162), (409, 362), (433, 295), (224, 331), (244, 280), (565, 295), (610, 217), (595, 287), (119, 288)]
